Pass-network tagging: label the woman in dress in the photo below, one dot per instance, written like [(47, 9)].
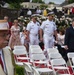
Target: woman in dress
[(15, 36)]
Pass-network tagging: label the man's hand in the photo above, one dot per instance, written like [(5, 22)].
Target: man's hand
[(66, 47)]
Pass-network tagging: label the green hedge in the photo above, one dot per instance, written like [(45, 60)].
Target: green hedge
[(19, 70)]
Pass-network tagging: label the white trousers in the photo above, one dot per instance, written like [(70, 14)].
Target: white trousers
[(48, 41), (34, 40)]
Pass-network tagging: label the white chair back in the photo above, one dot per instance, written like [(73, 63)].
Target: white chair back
[(19, 47), (38, 57), (54, 56), (57, 62), (36, 50), (54, 50), (34, 46)]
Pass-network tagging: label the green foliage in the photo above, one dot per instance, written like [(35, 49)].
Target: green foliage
[(51, 3), (19, 70), (37, 1), (42, 6), (14, 1), (15, 6), (71, 1)]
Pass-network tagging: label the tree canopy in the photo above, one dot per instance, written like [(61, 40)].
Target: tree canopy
[(71, 1), (37, 1), (16, 1)]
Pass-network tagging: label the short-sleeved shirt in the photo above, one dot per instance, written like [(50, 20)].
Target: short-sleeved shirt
[(48, 27), (33, 28)]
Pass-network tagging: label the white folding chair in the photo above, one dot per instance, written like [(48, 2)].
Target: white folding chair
[(40, 59), (70, 55), (53, 56), (20, 54), (28, 69), (60, 65), (73, 62)]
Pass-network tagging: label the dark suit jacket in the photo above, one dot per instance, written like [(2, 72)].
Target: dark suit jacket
[(69, 38)]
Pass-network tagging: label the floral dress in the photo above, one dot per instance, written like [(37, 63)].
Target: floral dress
[(15, 37)]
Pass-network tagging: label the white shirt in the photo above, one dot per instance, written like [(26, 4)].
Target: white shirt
[(33, 28), (60, 39), (29, 12), (48, 27), (3, 60), (38, 11)]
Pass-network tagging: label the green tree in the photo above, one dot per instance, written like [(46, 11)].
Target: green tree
[(51, 3), (14, 1), (14, 4), (37, 1), (42, 6), (71, 1)]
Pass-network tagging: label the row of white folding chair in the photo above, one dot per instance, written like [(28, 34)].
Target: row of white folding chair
[(52, 56), (37, 54), (17, 52), (60, 65)]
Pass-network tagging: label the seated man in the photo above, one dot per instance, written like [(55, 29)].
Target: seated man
[(6, 66)]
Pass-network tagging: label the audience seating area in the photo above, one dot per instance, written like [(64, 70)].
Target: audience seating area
[(37, 63)]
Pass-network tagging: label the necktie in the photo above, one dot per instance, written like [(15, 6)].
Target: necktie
[(1, 62)]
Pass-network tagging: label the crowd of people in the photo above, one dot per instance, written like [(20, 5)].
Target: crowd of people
[(47, 30)]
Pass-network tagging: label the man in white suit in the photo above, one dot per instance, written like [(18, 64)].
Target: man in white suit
[(6, 66)]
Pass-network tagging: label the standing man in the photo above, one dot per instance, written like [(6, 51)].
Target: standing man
[(33, 28), (48, 29), (6, 66), (69, 38)]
